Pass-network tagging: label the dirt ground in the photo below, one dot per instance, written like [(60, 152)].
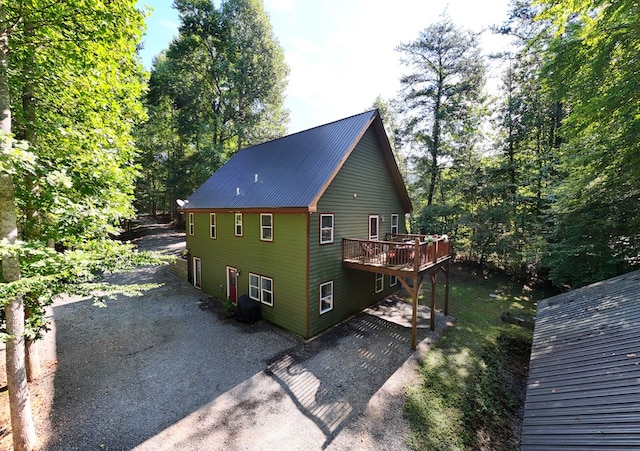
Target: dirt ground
[(168, 371)]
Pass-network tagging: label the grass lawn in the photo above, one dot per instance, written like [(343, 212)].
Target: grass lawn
[(473, 379)]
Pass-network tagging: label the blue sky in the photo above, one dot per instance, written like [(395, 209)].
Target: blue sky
[(342, 52)]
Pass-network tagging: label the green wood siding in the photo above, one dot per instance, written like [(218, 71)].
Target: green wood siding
[(366, 174), (284, 260)]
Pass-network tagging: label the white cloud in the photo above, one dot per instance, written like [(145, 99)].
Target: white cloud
[(342, 53), (279, 5), (169, 25)]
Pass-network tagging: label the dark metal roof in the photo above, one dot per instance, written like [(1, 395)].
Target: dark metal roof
[(289, 172), (584, 380)]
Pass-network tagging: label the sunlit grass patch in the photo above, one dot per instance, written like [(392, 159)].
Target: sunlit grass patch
[(473, 377)]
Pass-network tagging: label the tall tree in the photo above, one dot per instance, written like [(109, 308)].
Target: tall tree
[(592, 67), (24, 436), (223, 81), (441, 96), (521, 172), (69, 85)]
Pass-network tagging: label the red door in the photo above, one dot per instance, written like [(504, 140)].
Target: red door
[(232, 284)]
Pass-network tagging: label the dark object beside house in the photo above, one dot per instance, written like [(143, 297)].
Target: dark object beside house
[(247, 310)]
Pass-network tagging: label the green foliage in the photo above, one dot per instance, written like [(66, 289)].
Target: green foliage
[(441, 99), (75, 82), (228, 306), (47, 273), (592, 68), (471, 380), (218, 87)]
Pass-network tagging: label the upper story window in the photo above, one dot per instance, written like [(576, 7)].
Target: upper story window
[(191, 224), (373, 227), (326, 228), (212, 225), (266, 227), (238, 224), (394, 223)]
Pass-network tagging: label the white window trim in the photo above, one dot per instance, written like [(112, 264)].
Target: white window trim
[(257, 286), (328, 299), (263, 290), (235, 224), (393, 281), (212, 226), (263, 227), (327, 215), (395, 223), (377, 235), (379, 278), (192, 226), (197, 272)]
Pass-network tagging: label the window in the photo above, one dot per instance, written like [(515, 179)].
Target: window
[(373, 227), (266, 227), (326, 228), (326, 297), (394, 223), (266, 290), (393, 280), (197, 272), (191, 225), (238, 223), (254, 286), (212, 225), (379, 282), (261, 289)]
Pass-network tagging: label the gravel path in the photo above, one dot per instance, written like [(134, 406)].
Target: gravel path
[(166, 371)]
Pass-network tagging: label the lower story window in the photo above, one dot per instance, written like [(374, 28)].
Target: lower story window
[(379, 282), (254, 286), (266, 290), (393, 280), (326, 297), (261, 289)]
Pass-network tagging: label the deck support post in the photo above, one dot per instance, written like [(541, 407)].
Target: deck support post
[(410, 268), (446, 268), (414, 290), (417, 288), (432, 320)]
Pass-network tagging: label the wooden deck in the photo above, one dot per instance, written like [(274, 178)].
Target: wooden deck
[(409, 258), (398, 255)]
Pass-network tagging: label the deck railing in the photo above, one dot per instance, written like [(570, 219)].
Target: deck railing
[(399, 251)]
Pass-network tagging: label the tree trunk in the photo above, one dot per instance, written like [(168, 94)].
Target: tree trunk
[(32, 356), (435, 144), (24, 435)]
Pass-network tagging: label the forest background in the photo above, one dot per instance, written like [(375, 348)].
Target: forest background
[(541, 180)]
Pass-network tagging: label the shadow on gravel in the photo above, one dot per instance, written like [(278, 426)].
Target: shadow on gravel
[(166, 371), (129, 371), (332, 378)]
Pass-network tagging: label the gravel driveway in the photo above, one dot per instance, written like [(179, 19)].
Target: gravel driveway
[(166, 371)]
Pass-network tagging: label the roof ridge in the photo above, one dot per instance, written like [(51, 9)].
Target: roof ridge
[(372, 111)]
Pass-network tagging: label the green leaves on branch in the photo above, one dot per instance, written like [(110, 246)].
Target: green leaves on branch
[(217, 88), (16, 157), (592, 67), (75, 82), (47, 273)]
